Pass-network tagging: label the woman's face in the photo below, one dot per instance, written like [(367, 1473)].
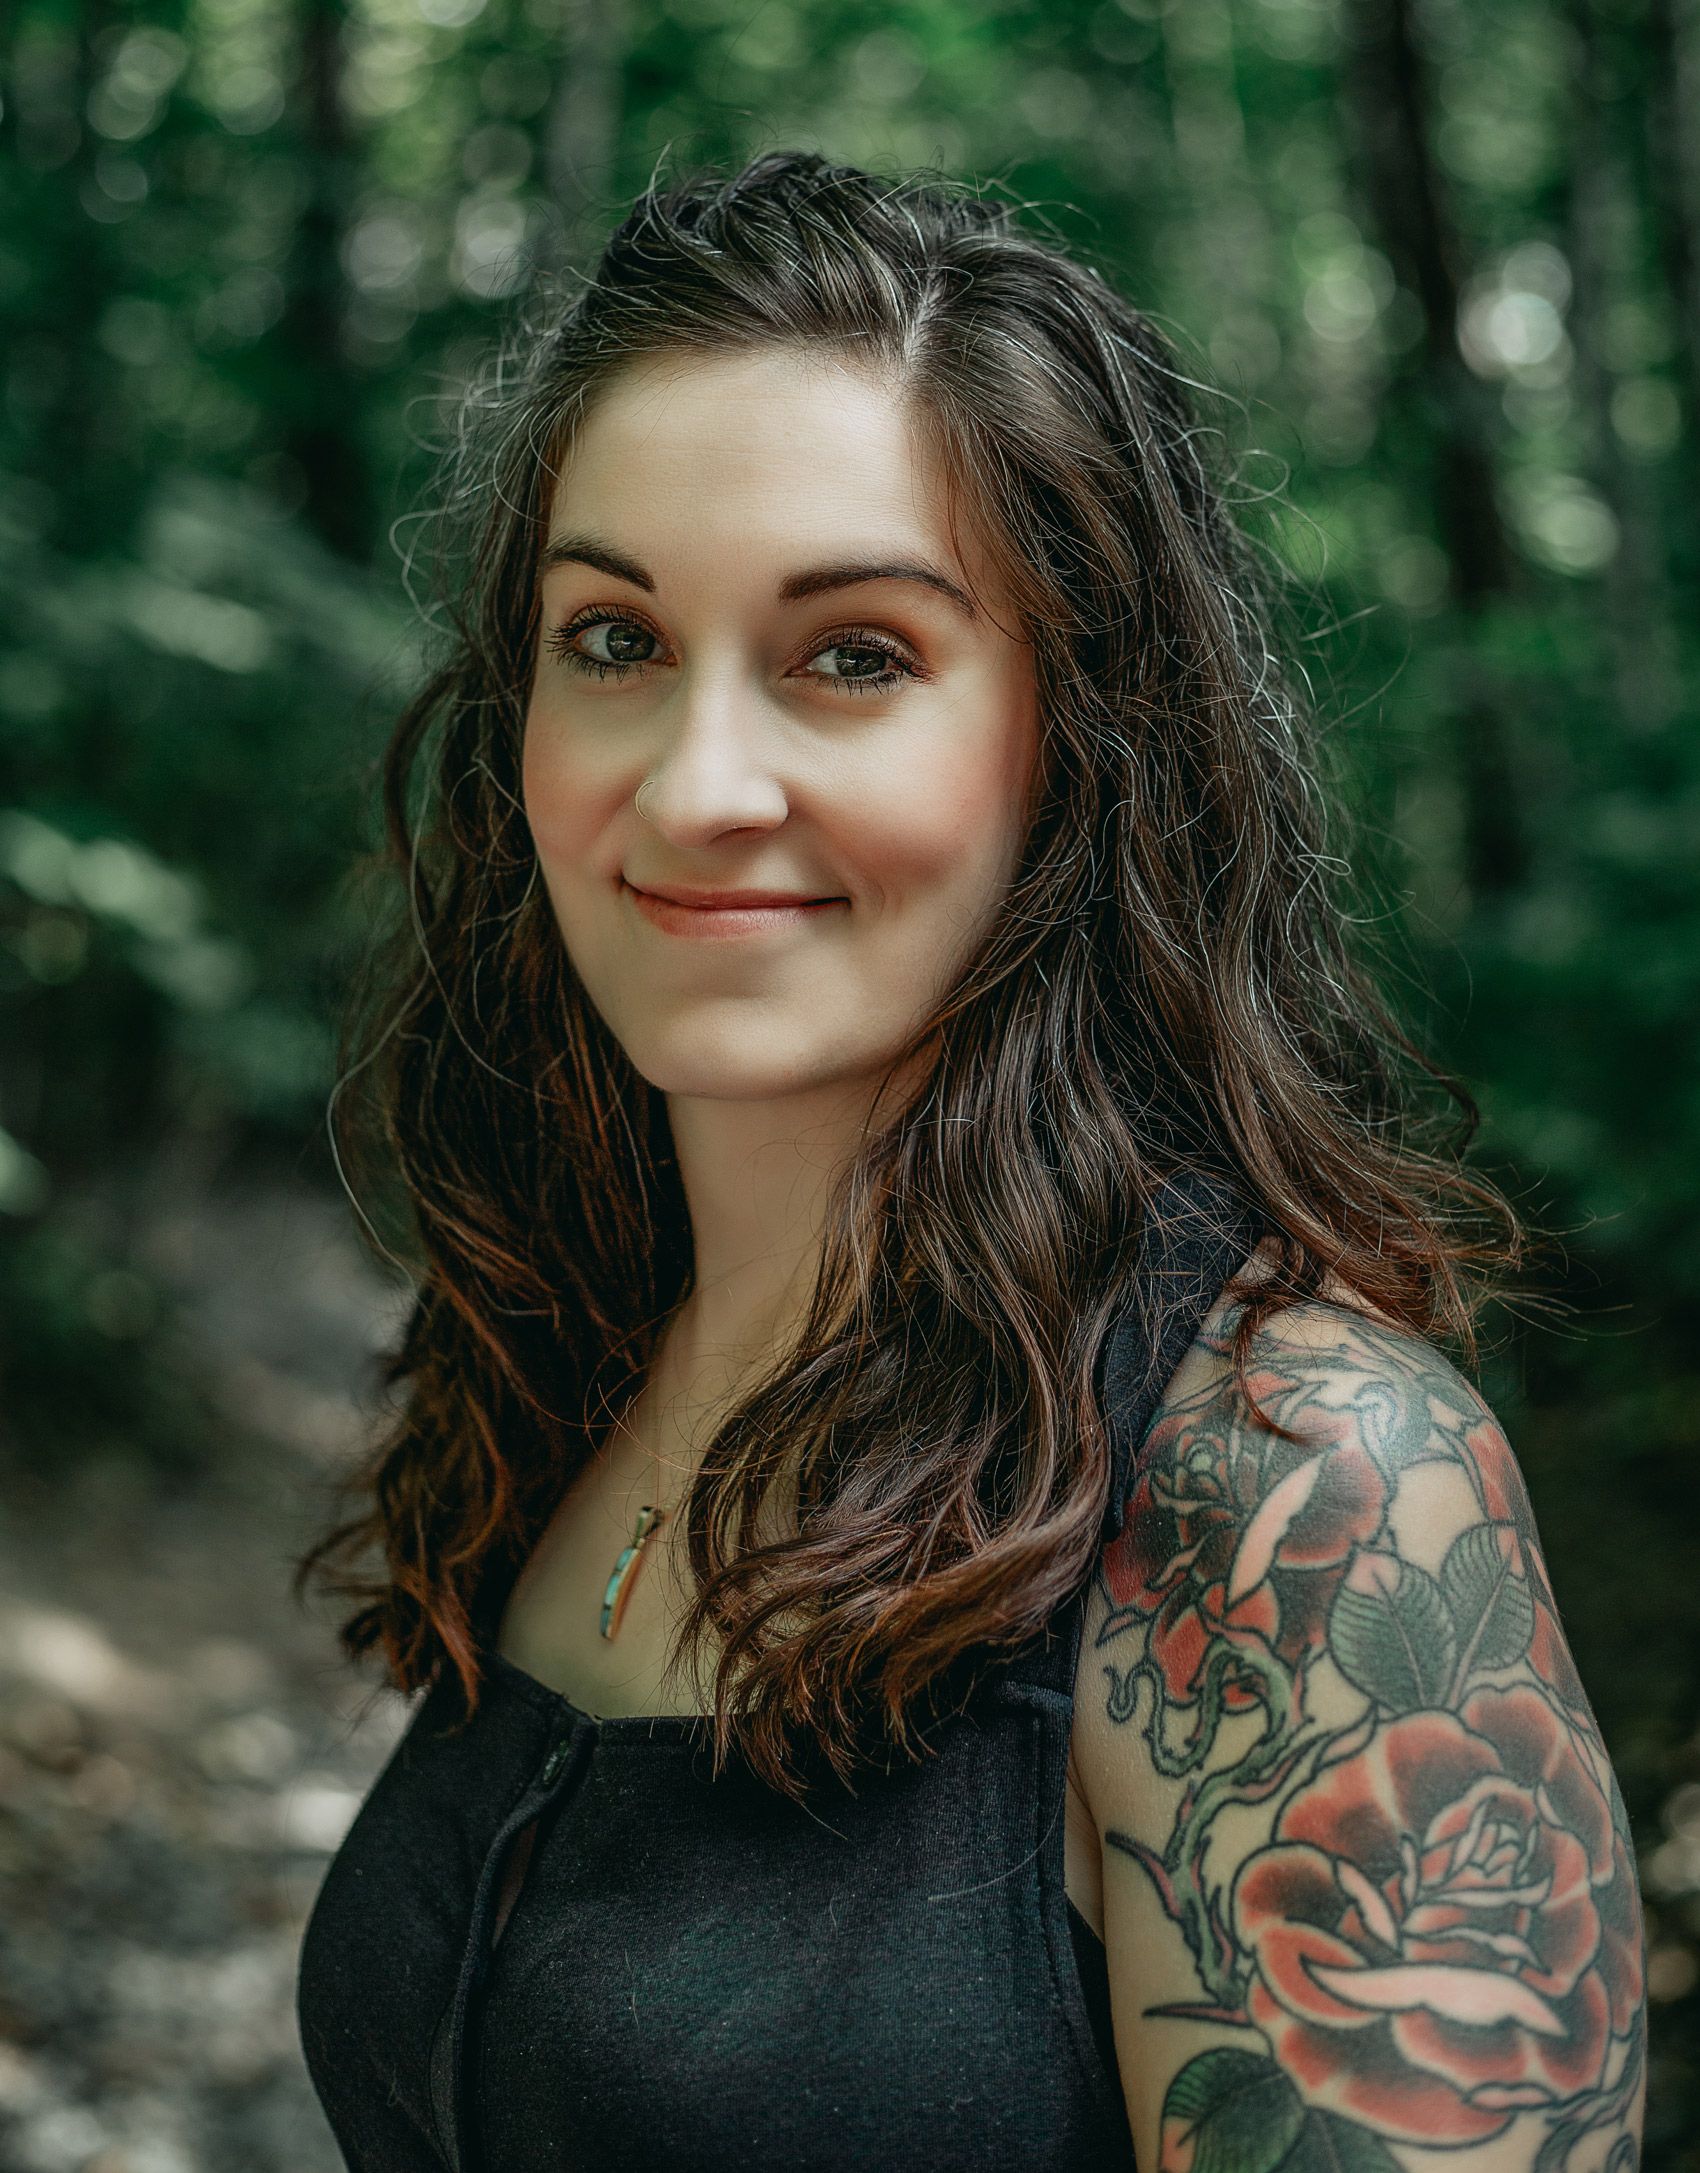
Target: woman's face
[(750, 599)]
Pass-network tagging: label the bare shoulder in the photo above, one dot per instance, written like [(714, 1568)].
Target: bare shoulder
[(1368, 1880)]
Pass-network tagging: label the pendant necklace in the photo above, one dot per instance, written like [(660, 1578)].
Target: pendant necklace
[(618, 1591)]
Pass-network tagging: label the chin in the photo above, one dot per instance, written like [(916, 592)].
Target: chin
[(731, 1070)]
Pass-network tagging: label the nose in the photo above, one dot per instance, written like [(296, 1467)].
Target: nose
[(716, 770)]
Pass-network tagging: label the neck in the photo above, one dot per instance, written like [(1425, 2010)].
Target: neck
[(757, 1176)]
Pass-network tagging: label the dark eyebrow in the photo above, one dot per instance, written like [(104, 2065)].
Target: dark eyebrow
[(817, 581), (586, 551)]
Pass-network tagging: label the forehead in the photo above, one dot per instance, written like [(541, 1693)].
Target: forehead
[(774, 448)]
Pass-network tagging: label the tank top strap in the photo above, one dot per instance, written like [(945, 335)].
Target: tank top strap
[(1198, 1233)]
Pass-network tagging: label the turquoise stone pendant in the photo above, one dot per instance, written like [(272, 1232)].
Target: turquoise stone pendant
[(649, 1521)]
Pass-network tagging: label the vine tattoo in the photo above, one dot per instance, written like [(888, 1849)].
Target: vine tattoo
[(1439, 1932)]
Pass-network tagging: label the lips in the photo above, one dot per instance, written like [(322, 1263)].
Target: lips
[(728, 900), (768, 912)]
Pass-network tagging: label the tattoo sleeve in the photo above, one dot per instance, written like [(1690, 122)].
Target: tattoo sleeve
[(1361, 1780)]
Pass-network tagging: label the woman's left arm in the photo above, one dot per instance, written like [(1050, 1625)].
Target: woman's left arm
[(1368, 1884)]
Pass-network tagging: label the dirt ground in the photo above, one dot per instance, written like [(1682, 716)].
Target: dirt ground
[(181, 1747)]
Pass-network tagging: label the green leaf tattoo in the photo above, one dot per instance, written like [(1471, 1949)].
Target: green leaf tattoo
[(1330, 2145), (1391, 1633), (1482, 1578), (1237, 2110)]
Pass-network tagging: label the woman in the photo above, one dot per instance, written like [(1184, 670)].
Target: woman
[(965, 1619)]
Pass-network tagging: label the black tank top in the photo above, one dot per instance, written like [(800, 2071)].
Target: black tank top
[(703, 1976)]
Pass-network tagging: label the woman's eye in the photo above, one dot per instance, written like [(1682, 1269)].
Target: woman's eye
[(604, 645), (621, 642), (864, 664)]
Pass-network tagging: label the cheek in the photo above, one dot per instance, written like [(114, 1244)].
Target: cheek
[(936, 848), (949, 837), (954, 822), (559, 798)]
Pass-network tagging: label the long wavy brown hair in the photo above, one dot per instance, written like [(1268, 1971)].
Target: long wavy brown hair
[(1175, 984)]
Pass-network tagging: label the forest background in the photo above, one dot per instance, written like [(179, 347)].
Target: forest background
[(1442, 256)]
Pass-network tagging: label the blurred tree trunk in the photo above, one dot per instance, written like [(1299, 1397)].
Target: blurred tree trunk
[(1388, 99), (1600, 212), (1672, 147), (580, 126), (9, 136), (1220, 195), (318, 396), (79, 439)]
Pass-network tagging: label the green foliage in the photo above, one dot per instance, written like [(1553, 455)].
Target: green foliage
[(190, 724)]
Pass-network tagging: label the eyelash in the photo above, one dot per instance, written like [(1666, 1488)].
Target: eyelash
[(559, 643)]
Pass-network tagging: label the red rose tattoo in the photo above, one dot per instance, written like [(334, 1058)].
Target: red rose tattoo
[(1232, 1534), (1443, 1929), (1403, 1878)]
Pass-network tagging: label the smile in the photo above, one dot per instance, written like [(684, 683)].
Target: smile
[(722, 922)]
